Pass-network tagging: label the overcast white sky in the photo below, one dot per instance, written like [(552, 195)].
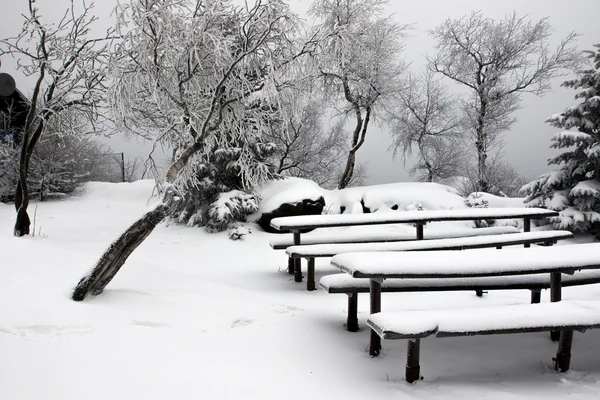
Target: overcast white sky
[(526, 145)]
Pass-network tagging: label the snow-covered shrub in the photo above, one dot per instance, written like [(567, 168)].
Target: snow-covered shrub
[(477, 200), (238, 232), (8, 170), (58, 166), (574, 190), (218, 197), (230, 207), (415, 206)]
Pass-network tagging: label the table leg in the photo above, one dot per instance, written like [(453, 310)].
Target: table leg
[(536, 296), (310, 280), (563, 357), (419, 231), (413, 369), (375, 344), (297, 261), (555, 295), (527, 228)]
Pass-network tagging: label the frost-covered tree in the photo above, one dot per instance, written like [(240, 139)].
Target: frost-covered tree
[(359, 62), (497, 61), (190, 74), (425, 117), (574, 190), (305, 148), (67, 65)]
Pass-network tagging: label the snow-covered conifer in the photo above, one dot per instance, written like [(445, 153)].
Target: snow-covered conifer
[(574, 189)]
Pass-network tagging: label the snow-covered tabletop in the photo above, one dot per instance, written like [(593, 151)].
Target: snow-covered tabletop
[(472, 263), (332, 220), (331, 249)]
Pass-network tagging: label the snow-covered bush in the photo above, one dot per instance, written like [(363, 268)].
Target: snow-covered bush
[(230, 207), (477, 200), (59, 164), (238, 232), (218, 197), (574, 189)]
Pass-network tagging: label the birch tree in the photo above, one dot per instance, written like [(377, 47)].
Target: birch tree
[(68, 66), (189, 74), (497, 62), (358, 62)]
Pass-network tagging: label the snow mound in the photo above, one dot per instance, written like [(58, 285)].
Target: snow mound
[(288, 190), (405, 196)]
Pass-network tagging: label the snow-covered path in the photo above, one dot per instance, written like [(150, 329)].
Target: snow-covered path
[(193, 315)]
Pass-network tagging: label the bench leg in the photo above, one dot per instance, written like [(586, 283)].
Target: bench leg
[(555, 295), (375, 342), (352, 320), (563, 357), (310, 280), (291, 265), (536, 296), (413, 369), (297, 270)]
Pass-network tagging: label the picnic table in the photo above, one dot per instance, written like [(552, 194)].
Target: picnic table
[(468, 264), (298, 224)]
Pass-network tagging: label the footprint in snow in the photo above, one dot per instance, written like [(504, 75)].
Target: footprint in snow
[(281, 309), (45, 330), (150, 324), (238, 323)]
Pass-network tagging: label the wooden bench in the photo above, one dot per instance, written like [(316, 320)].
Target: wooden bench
[(298, 224), (479, 263), (310, 252), (345, 284), (564, 316)]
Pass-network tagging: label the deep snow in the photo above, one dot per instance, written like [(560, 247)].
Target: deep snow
[(195, 315)]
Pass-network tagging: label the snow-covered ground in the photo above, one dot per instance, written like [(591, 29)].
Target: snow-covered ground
[(196, 315)]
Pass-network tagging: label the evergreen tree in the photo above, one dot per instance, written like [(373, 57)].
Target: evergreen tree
[(574, 190)]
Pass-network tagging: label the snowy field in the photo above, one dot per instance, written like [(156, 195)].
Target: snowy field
[(198, 316)]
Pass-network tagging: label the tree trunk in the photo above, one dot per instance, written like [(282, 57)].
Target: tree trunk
[(113, 259), (23, 223), (357, 141), (480, 143), (348, 171)]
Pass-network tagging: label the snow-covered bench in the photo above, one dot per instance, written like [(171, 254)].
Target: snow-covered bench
[(299, 224), (564, 316), (345, 284), (462, 265), (310, 252)]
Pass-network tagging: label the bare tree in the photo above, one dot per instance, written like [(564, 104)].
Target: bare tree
[(503, 179), (425, 116), (305, 148), (359, 62), (69, 71), (497, 61), (190, 74)]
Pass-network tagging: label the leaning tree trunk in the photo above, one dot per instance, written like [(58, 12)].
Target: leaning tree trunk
[(113, 259)]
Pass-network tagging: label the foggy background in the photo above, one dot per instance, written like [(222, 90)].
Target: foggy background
[(526, 145)]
